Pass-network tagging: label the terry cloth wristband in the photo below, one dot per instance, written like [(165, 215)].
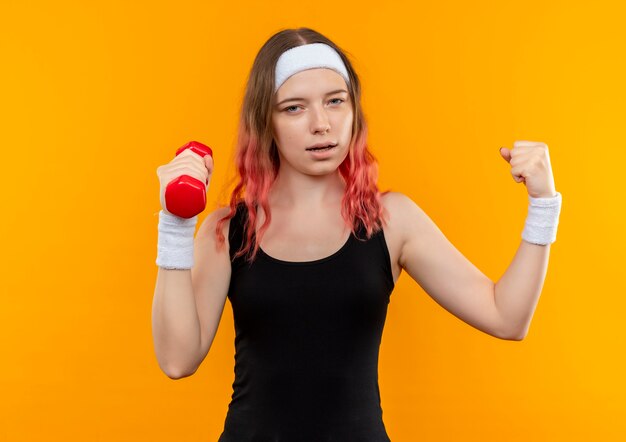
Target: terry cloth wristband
[(542, 220), (175, 241)]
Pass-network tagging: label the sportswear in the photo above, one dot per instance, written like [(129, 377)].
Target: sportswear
[(308, 56), (307, 338), (542, 219)]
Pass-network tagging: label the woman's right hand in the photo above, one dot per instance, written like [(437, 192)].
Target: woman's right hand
[(185, 163)]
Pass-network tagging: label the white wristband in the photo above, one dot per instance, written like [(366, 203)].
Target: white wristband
[(175, 241), (542, 220)]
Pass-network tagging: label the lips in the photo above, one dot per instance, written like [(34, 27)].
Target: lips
[(322, 145)]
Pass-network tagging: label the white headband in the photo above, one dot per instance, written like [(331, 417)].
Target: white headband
[(309, 56)]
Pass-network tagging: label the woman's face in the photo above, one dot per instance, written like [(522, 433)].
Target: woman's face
[(312, 106)]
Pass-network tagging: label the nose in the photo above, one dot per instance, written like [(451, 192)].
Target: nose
[(320, 121)]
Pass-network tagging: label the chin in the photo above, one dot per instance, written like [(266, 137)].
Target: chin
[(324, 169)]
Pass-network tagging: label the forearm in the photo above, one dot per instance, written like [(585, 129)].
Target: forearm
[(175, 322), (517, 291)]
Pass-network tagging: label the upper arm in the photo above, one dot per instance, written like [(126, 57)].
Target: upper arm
[(444, 273), (210, 276)]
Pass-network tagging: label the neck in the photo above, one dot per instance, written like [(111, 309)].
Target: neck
[(306, 192)]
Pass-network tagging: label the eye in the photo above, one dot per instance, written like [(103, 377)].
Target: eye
[(287, 108)]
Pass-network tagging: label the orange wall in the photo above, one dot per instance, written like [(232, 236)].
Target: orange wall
[(97, 95)]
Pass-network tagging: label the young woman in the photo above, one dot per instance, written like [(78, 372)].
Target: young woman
[(309, 250)]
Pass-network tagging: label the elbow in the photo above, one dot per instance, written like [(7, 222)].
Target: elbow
[(176, 366), (508, 335), (175, 375), (509, 331), (517, 335), (176, 372)]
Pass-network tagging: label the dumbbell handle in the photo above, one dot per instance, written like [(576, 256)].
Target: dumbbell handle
[(185, 196)]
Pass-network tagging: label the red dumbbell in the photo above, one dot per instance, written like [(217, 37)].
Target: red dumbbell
[(185, 196)]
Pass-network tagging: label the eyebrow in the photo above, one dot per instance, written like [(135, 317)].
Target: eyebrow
[(304, 99)]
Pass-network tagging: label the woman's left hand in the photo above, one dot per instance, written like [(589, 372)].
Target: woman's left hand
[(530, 164)]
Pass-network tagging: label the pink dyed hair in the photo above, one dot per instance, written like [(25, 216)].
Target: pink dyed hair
[(257, 160)]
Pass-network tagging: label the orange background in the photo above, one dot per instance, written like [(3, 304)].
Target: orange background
[(96, 95)]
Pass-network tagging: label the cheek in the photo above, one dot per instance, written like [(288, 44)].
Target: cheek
[(288, 139), (287, 130), (347, 125), (281, 134)]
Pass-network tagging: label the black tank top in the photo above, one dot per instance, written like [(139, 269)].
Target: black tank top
[(307, 338)]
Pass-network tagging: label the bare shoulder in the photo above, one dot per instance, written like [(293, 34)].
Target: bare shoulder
[(408, 224), (402, 210), (207, 227), (397, 201), (400, 216)]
